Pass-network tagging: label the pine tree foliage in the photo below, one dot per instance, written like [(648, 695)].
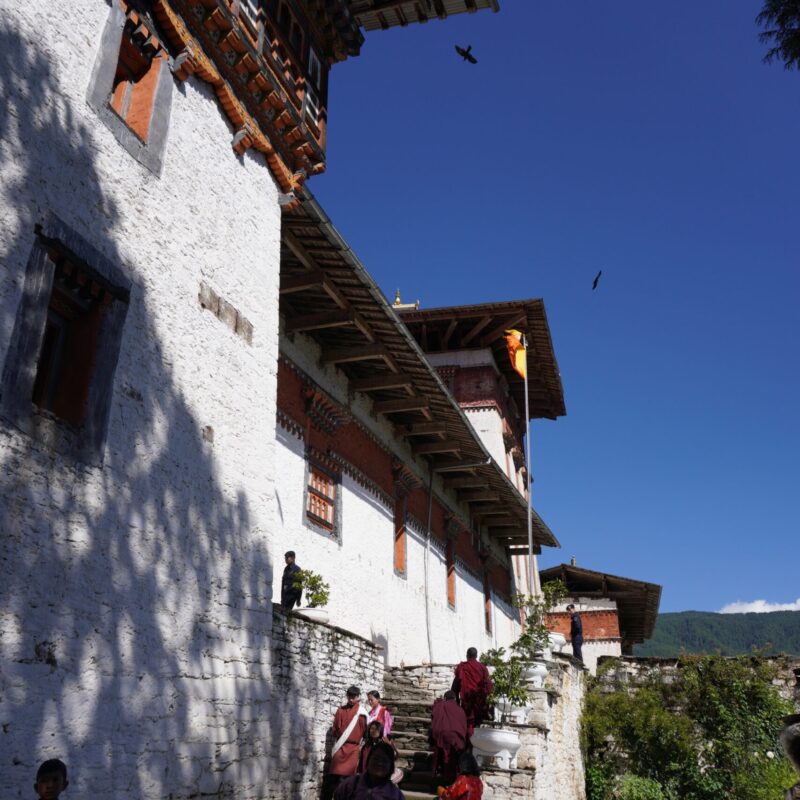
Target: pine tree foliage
[(780, 20)]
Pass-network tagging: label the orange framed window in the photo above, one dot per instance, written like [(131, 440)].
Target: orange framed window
[(321, 497), (135, 81), (450, 557), (487, 601), (400, 539)]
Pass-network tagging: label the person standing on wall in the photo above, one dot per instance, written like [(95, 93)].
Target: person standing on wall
[(575, 632), (472, 686), (349, 727), (290, 595)]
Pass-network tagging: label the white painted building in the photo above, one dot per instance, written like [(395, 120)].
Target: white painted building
[(364, 413), (146, 154)]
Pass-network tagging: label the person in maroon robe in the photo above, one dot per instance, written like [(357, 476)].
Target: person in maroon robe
[(349, 727), (472, 686), (449, 736)]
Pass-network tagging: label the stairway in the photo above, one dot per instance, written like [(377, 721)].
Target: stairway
[(411, 712)]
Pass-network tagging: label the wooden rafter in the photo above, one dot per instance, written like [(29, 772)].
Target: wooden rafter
[(452, 325), (402, 405), (310, 279), (444, 446), (318, 279), (499, 330), (424, 429), (376, 383), (325, 319), (344, 355), (466, 483), (475, 330), (478, 495)]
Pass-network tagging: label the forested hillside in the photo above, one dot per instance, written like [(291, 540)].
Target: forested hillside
[(730, 634)]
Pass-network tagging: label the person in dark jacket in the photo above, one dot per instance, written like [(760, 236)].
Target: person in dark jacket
[(575, 631), (290, 596)]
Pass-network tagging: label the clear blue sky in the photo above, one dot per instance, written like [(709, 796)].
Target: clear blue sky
[(648, 141)]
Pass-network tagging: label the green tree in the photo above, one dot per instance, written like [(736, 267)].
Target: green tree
[(780, 20)]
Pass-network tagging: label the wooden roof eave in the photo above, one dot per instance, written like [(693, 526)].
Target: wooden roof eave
[(408, 358), (545, 390), (637, 601)]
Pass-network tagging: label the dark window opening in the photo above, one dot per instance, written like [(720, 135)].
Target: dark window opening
[(284, 18), (64, 367)]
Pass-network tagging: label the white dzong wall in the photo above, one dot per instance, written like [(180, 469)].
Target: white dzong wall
[(136, 595), (367, 596)]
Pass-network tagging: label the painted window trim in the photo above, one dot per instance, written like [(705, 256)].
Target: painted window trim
[(86, 443), (152, 152), (400, 537), (309, 520)]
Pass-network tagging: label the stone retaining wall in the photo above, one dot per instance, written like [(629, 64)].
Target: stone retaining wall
[(312, 666), (633, 671)]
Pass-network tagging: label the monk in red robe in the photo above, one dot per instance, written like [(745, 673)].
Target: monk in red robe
[(349, 727), (449, 735), (472, 686)]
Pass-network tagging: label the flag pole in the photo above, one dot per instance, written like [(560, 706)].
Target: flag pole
[(533, 586)]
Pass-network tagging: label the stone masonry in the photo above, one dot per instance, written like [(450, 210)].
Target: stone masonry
[(312, 666), (549, 761)]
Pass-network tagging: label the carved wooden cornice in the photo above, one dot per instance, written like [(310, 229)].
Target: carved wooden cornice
[(247, 88), (405, 481), (361, 478), (289, 424), (324, 459), (324, 413)]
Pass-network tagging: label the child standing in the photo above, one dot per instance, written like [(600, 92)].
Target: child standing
[(51, 779), (468, 785)]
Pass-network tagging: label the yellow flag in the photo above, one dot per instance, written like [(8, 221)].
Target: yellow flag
[(516, 352)]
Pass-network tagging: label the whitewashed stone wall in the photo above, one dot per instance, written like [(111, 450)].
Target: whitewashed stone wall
[(367, 597), (312, 666), (136, 623), (549, 761)]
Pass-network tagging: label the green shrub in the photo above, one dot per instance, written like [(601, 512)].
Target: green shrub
[(317, 591), (703, 736), (632, 787)]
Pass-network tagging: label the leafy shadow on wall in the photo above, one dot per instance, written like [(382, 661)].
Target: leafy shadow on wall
[(136, 615)]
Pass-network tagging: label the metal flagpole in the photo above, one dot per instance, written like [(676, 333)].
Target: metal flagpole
[(533, 587)]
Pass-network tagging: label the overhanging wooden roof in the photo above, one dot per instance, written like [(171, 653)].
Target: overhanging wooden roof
[(327, 294), (382, 14), (483, 326), (637, 601)]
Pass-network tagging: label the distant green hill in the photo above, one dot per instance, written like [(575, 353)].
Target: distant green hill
[(730, 634)]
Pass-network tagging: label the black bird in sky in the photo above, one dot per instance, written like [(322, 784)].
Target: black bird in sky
[(596, 280), (466, 54)]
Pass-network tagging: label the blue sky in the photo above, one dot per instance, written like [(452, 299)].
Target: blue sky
[(648, 141)]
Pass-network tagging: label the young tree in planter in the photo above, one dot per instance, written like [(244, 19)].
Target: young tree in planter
[(316, 590), (535, 640)]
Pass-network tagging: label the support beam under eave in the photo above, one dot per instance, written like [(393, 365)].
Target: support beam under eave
[(344, 355), (376, 383), (478, 495), (402, 405), (428, 448), (316, 322)]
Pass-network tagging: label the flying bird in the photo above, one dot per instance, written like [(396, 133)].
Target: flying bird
[(466, 54), (596, 280)]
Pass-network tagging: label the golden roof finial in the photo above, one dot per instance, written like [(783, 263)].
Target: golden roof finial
[(399, 305)]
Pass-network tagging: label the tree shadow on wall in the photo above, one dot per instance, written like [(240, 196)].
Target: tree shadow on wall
[(136, 616)]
